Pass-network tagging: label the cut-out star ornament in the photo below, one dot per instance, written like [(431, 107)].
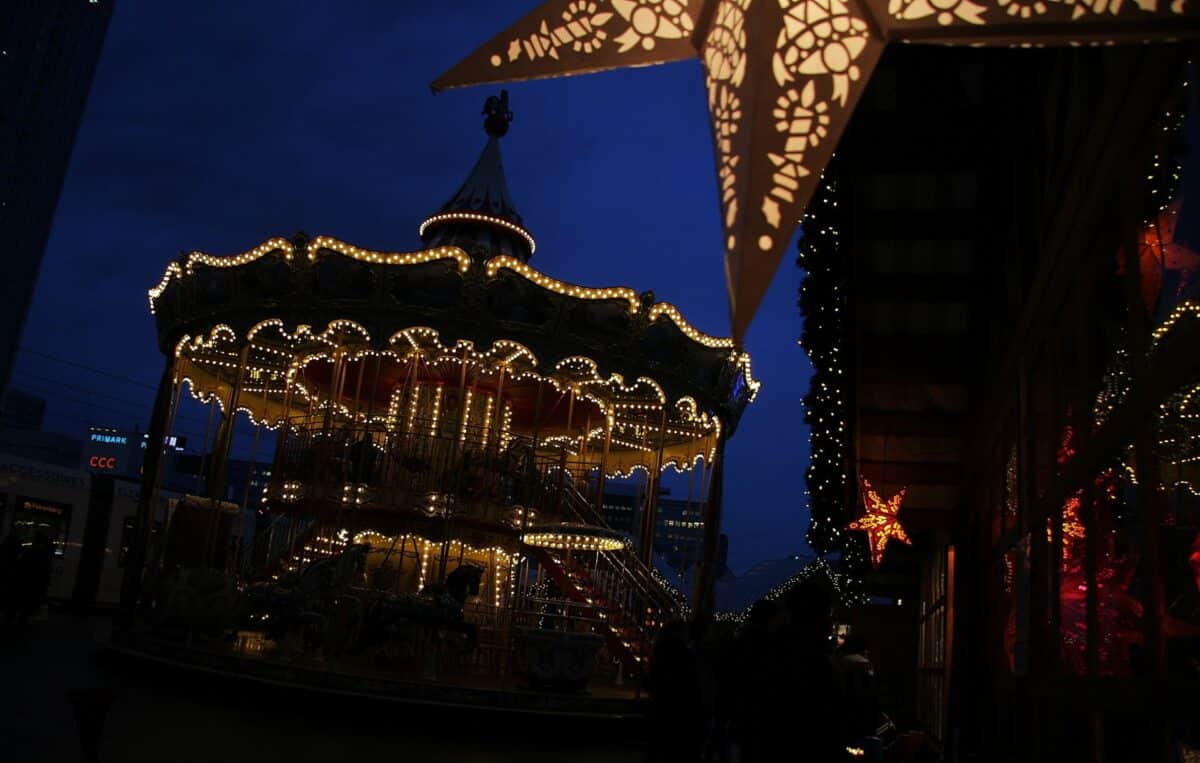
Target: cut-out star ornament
[(782, 78), (881, 522)]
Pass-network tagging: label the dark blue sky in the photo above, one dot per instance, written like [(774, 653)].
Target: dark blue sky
[(216, 125)]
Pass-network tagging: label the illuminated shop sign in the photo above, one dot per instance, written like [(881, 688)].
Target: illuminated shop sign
[(103, 462), (34, 516), (171, 442), (42, 507), (110, 439)]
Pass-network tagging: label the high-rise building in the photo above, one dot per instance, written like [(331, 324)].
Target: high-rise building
[(678, 524), (48, 53)]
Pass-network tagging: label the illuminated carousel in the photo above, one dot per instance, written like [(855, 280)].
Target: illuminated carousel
[(444, 422)]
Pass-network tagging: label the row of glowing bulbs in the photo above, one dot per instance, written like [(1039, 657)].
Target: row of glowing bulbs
[(175, 271)]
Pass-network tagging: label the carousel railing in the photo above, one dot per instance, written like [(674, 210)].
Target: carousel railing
[(389, 464), (624, 561), (415, 465)]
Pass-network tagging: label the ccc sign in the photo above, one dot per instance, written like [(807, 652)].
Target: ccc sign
[(103, 462)]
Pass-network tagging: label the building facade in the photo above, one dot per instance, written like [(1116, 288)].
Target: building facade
[(986, 350), (48, 54), (678, 523)]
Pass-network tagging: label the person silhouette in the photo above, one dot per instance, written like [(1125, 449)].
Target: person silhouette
[(804, 711), (858, 688), (35, 567), (677, 721), (750, 673), (10, 554)]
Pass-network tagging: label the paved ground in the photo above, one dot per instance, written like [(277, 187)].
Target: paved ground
[(160, 714)]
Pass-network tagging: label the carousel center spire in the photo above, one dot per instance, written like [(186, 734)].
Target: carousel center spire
[(481, 217)]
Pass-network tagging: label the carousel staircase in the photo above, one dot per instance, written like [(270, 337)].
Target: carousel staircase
[(619, 590)]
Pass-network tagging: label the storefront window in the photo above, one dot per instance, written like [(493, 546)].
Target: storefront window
[(932, 649), (34, 516)]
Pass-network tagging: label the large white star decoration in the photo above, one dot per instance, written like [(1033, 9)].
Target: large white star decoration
[(881, 522), (783, 77)]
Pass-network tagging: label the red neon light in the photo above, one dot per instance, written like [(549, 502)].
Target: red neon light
[(103, 462)]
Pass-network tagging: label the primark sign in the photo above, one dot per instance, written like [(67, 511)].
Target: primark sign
[(113, 451)]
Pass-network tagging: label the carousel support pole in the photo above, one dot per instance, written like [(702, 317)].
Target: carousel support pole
[(282, 438), (246, 494), (358, 380), (368, 438), (652, 499), (350, 441), (687, 511), (701, 509), (493, 588), (353, 472), (461, 424), (131, 583), (499, 413), (219, 466), (411, 388), (562, 457), (342, 374), (608, 422), (323, 461), (583, 452), (642, 492), (535, 434), (702, 602), (205, 448), (156, 557)]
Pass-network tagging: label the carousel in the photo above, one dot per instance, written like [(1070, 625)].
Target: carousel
[(441, 424)]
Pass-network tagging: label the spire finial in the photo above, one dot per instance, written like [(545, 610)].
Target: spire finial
[(497, 115)]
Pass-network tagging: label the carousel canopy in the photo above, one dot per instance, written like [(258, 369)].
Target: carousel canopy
[(301, 323)]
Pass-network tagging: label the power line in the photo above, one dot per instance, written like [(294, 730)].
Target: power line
[(93, 369), (142, 407), (92, 422), (196, 438)]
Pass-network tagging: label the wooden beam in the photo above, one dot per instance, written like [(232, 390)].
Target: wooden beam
[(875, 421), (912, 358), (921, 519), (910, 473), (874, 286)]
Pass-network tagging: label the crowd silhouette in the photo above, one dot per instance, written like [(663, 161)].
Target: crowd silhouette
[(775, 687)]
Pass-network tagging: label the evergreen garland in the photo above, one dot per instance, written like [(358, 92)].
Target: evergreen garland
[(823, 305)]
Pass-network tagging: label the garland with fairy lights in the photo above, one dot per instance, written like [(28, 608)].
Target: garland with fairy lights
[(1165, 173), (1178, 444), (816, 567), (823, 305), (824, 339)]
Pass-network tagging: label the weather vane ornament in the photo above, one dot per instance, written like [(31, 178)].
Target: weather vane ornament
[(881, 522), (782, 79), (497, 115)]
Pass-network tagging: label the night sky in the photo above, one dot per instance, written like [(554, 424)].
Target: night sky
[(216, 125)]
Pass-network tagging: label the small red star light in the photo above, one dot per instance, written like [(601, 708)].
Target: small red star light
[(880, 521)]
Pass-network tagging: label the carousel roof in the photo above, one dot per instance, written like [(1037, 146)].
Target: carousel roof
[(470, 290), (481, 217)]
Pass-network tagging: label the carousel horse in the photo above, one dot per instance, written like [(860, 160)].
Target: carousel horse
[(317, 604), (426, 621), (196, 601)]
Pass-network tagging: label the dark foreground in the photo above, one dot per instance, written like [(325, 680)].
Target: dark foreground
[(159, 713)]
